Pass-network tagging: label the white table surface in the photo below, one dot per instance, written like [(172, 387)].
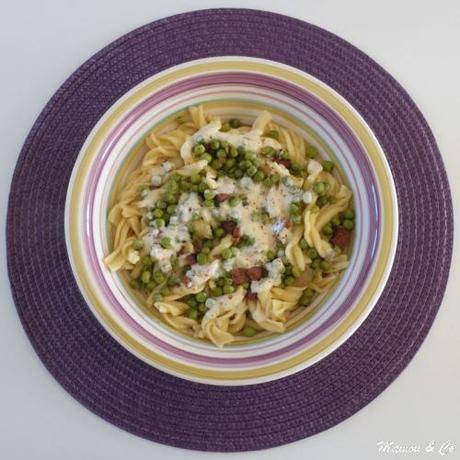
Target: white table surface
[(42, 42)]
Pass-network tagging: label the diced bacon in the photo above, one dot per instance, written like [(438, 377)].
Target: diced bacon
[(341, 237), (239, 276), (191, 259), (228, 226), (286, 163), (221, 197), (198, 245), (186, 280), (255, 273), (251, 295), (236, 235)]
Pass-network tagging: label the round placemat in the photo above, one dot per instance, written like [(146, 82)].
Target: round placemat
[(125, 391)]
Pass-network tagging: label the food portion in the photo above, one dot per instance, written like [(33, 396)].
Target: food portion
[(230, 230)]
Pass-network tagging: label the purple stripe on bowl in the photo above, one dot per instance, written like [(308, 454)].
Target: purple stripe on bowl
[(286, 89)]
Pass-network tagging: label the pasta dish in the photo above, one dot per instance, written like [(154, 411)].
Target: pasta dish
[(228, 230)]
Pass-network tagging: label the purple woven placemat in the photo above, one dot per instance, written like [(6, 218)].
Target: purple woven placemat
[(111, 382)]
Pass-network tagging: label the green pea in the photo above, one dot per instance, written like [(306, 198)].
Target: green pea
[(227, 254), (206, 250), (229, 163), (216, 164), (246, 164), (348, 224), (322, 200), (241, 150), (215, 144), (191, 302), (312, 253), (172, 186), (138, 244), (194, 188), (315, 264), (166, 242), (171, 208), (305, 300), (147, 261), (151, 285), (295, 272), (349, 214), (228, 282), (327, 229), (249, 331), (225, 127), (250, 155), (268, 182), (202, 308), (251, 171), (164, 291), (202, 259), (173, 280), (234, 251), (202, 186), (259, 176), (195, 179), (273, 134), (201, 297), (208, 194), (324, 265), (284, 155), (234, 201), (238, 174), (192, 313), (219, 232), (296, 219), (157, 213), (199, 149), (228, 289), (267, 150), (220, 282), (270, 255), (303, 243), (289, 280), (208, 203), (216, 291), (319, 187), (233, 152), (158, 277), (332, 199), (336, 221), (311, 151), (245, 285), (221, 154), (161, 204), (170, 198), (185, 186), (294, 208), (235, 123), (207, 157), (328, 165), (146, 276)]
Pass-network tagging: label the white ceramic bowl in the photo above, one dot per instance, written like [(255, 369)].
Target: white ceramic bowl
[(239, 87)]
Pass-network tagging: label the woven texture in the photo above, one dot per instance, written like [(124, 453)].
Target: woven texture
[(111, 382)]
